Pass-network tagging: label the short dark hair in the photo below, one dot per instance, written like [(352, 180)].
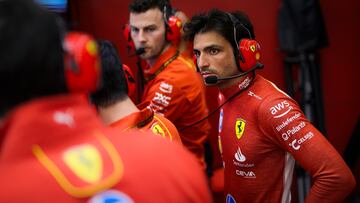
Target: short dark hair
[(221, 22), (114, 86), (140, 6), (31, 54)]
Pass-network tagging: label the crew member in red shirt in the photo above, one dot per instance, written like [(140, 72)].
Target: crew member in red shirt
[(262, 131), (54, 148), (114, 105), (170, 80)]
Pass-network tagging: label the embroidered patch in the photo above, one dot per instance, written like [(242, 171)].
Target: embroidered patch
[(85, 161), (230, 199), (111, 196), (239, 128), (155, 128), (221, 117)]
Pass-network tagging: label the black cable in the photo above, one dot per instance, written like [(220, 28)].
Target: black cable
[(215, 110)]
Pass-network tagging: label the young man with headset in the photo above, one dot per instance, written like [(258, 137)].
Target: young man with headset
[(169, 79), (262, 131), (53, 146)]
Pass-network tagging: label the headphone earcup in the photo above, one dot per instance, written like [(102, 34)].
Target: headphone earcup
[(249, 54), (81, 62), (130, 45), (173, 34)]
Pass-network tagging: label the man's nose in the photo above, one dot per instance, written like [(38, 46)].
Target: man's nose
[(202, 61), (141, 36)]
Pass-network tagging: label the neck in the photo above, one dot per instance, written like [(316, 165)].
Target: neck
[(152, 61), (117, 111)]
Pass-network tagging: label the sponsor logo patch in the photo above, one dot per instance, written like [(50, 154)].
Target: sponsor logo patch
[(239, 128), (230, 198), (252, 48), (64, 118), (252, 94), (287, 121), (220, 145), (283, 108), (161, 99), (221, 117), (293, 131), (111, 196), (296, 144), (85, 161), (240, 157), (245, 174), (166, 88), (155, 128)]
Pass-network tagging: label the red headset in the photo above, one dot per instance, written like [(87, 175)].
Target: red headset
[(249, 54), (81, 62), (173, 29), (248, 49)]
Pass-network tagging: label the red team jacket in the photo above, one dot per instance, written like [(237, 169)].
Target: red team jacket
[(56, 149), (145, 120), (262, 132), (176, 91)]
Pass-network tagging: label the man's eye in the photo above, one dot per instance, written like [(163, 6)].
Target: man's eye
[(134, 30), (196, 54), (214, 51), (150, 29)]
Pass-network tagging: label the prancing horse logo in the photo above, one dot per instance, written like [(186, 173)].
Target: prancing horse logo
[(239, 128)]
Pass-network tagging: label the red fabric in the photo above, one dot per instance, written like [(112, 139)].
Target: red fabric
[(131, 83), (262, 132), (147, 120), (39, 136), (178, 93)]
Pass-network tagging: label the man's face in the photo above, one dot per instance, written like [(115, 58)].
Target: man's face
[(148, 31), (215, 57)]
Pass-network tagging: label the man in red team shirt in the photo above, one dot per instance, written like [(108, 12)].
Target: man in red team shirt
[(53, 146), (116, 108), (170, 80), (262, 131)]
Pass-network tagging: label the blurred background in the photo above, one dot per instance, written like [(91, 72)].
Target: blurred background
[(309, 48)]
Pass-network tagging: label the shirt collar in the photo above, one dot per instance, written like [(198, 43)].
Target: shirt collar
[(163, 58)]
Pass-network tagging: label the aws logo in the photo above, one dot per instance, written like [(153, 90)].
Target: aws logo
[(239, 128), (280, 107)]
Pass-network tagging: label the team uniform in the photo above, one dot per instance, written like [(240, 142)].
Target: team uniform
[(176, 91), (262, 132), (146, 119), (57, 150)]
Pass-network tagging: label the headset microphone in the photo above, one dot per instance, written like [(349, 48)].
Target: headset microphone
[(213, 79), (140, 51)]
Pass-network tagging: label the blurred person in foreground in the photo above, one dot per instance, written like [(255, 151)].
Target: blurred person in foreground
[(54, 148)]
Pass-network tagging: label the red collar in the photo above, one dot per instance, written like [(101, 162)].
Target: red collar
[(242, 85), (161, 62)]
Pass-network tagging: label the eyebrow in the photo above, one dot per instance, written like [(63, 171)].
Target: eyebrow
[(147, 26), (211, 46)]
